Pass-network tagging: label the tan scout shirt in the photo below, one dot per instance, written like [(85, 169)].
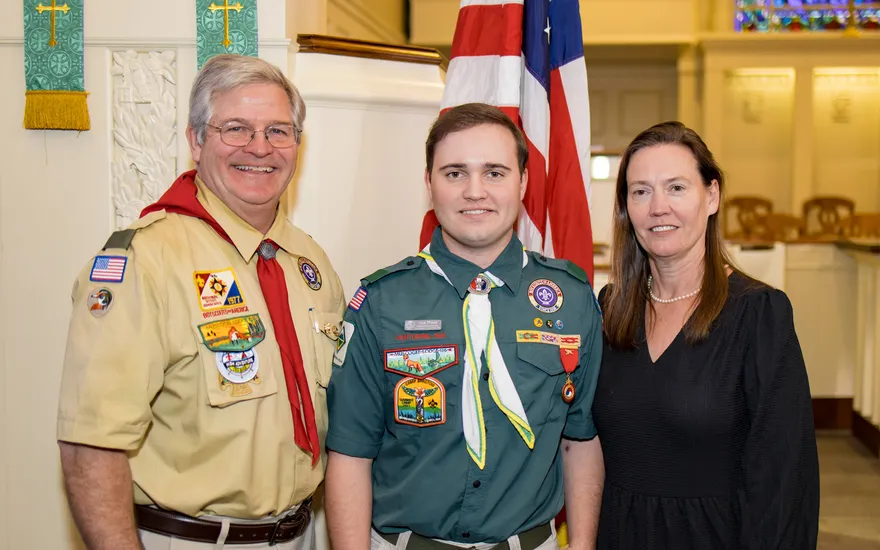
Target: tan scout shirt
[(138, 375)]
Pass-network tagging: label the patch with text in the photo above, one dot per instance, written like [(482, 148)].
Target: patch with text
[(235, 334), (421, 362), (420, 402), (219, 290)]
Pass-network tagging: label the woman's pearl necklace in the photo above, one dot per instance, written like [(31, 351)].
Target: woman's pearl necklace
[(670, 300)]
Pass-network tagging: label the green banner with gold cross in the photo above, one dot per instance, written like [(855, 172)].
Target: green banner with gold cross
[(225, 26), (53, 65)]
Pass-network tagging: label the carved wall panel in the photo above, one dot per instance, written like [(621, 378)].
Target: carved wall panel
[(144, 161)]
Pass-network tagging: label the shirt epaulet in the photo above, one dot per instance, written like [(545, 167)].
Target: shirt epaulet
[(121, 240), (563, 265), (409, 263)]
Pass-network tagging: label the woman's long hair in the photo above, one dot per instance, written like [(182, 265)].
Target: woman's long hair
[(627, 295)]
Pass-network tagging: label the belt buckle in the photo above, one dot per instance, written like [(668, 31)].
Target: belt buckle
[(276, 529), (292, 517)]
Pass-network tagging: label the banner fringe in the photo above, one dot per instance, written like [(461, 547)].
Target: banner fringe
[(56, 110)]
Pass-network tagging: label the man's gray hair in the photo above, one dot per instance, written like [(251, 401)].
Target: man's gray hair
[(226, 72)]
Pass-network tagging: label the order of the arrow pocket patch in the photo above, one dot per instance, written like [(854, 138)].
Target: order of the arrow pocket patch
[(421, 362)]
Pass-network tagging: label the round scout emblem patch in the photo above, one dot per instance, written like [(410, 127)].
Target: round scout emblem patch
[(310, 273), (545, 295), (559, 325), (480, 285), (238, 366), (538, 322), (99, 302)]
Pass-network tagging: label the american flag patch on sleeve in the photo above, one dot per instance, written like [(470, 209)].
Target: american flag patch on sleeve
[(108, 269), (358, 299)]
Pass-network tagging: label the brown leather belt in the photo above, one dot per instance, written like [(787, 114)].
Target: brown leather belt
[(528, 540), (165, 522)]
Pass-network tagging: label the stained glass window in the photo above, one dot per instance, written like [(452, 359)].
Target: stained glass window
[(806, 15)]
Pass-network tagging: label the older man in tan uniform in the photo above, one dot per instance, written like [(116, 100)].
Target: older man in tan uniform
[(201, 343)]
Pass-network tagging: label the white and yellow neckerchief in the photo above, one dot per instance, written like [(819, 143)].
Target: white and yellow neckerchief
[(479, 334)]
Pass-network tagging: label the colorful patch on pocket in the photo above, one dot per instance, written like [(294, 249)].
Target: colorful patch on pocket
[(420, 402), (238, 367), (235, 334), (218, 289), (421, 362)]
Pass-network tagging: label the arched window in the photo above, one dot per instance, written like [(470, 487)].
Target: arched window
[(806, 15)]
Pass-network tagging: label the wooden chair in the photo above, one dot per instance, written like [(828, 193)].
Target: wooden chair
[(827, 216), (783, 227), (865, 226), (749, 212)]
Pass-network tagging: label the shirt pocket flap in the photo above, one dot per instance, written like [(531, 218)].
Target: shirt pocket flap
[(543, 356)]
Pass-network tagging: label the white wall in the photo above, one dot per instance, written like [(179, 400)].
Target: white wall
[(626, 98), (55, 212), (363, 157), (377, 20)]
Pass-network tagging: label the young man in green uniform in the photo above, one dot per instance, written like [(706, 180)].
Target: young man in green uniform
[(460, 400)]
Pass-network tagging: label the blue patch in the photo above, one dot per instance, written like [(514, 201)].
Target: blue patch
[(108, 269), (358, 299)]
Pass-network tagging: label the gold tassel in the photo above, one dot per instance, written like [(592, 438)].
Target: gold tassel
[(562, 535), (56, 110)]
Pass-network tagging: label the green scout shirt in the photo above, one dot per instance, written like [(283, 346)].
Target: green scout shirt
[(424, 480)]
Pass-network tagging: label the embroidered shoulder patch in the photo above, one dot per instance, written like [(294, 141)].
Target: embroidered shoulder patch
[(235, 334), (358, 299), (108, 269), (421, 362), (342, 343), (420, 402)]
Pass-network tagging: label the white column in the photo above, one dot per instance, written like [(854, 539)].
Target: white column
[(802, 139), (690, 98)]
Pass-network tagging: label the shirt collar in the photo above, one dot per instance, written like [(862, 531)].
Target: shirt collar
[(245, 238), (507, 266)]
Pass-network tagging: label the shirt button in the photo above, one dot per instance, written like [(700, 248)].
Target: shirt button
[(466, 535), (477, 484), (410, 262), (485, 376)]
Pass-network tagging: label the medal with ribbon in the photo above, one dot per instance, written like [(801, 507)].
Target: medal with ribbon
[(568, 352)]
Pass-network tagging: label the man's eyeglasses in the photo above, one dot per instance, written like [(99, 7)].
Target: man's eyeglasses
[(236, 134)]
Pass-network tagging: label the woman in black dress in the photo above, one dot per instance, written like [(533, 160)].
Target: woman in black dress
[(703, 403)]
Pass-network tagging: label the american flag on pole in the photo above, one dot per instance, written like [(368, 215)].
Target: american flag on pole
[(527, 57)]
